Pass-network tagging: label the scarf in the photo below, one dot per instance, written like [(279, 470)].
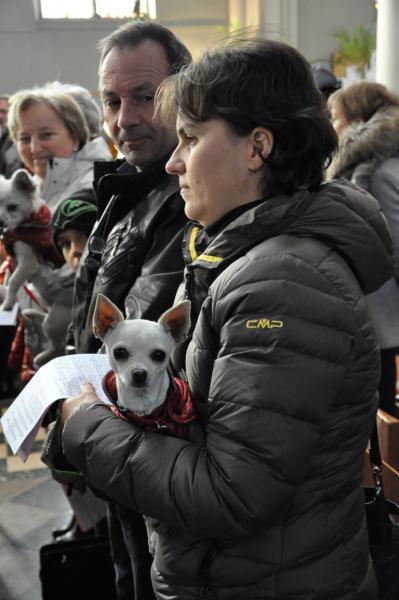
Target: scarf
[(171, 418)]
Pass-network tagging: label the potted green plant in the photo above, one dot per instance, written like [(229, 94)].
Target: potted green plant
[(355, 49)]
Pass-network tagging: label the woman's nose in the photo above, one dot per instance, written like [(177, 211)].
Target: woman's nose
[(34, 145), (175, 165)]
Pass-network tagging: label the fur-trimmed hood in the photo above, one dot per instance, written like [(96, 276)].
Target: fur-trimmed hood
[(364, 146)]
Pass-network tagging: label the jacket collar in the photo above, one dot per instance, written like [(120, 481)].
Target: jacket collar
[(120, 177), (340, 215)]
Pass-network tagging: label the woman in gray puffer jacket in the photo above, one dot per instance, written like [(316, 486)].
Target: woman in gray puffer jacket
[(283, 364), (366, 118)]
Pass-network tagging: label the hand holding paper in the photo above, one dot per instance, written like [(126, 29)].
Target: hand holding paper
[(71, 405), (62, 377)]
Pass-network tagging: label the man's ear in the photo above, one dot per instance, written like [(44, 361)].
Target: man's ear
[(260, 145), (176, 320), (106, 316)]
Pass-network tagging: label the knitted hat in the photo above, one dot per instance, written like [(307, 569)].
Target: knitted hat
[(77, 212)]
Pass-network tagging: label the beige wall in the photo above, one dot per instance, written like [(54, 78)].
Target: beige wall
[(318, 19), (33, 53)]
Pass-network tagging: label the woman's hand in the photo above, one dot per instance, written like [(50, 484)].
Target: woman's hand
[(70, 405)]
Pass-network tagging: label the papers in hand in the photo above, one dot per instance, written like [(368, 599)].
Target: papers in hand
[(59, 378), (9, 317)]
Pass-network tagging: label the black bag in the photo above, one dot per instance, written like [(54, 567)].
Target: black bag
[(79, 569), (383, 528)]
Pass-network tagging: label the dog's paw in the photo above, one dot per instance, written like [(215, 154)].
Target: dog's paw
[(8, 300), (6, 306)]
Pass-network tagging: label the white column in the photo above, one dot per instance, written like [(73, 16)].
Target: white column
[(272, 15), (291, 21), (387, 55), (280, 19), (236, 10), (277, 18)]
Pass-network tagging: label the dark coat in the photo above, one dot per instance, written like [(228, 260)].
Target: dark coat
[(284, 368), (140, 266)]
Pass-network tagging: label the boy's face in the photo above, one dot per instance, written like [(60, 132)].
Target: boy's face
[(72, 243)]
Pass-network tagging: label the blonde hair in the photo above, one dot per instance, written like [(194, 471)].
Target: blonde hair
[(66, 108)]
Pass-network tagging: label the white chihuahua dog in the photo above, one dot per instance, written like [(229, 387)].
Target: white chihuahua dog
[(139, 352), (25, 223)]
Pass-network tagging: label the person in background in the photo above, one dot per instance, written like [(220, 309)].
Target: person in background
[(283, 364), (91, 111), (9, 159), (366, 117), (84, 98), (53, 141), (326, 81), (134, 253), (72, 224), (9, 162)]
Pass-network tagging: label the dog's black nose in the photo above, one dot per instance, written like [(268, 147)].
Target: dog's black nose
[(139, 377)]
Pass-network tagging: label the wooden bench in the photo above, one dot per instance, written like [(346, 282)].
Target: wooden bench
[(388, 433)]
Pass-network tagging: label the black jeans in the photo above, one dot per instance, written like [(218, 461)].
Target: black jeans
[(132, 560)]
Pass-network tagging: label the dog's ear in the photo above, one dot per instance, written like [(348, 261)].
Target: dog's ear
[(23, 182), (106, 316), (176, 320)]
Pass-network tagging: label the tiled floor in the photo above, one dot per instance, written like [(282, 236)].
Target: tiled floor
[(31, 506)]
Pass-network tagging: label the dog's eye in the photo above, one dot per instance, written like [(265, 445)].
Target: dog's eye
[(158, 355), (120, 353), (12, 207)]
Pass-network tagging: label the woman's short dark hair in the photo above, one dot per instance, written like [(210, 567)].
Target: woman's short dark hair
[(131, 35), (270, 84)]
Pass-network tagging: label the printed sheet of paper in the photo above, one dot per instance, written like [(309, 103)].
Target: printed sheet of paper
[(59, 378), (9, 317)]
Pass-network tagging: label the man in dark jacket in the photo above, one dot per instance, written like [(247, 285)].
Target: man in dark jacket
[(134, 254)]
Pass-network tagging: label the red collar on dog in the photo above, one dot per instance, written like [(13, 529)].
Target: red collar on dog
[(172, 417)]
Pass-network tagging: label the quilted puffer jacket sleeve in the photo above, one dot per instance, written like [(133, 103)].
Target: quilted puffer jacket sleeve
[(279, 346)]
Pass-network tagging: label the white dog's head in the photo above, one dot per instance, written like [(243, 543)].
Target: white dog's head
[(139, 351), (19, 198)]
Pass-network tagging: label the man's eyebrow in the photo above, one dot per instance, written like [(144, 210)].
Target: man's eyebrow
[(108, 94)]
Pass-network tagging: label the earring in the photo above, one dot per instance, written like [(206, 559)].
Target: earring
[(257, 151)]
